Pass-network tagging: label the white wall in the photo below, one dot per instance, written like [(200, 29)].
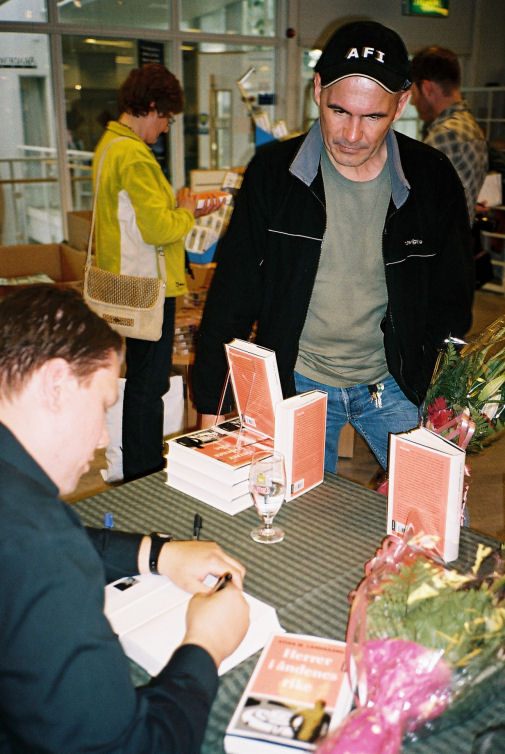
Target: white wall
[(474, 28)]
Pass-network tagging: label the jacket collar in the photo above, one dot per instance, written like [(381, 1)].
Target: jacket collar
[(119, 129), (457, 107), (305, 164), (15, 455)]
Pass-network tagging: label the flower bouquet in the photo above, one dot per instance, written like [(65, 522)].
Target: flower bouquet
[(427, 642), (465, 401)]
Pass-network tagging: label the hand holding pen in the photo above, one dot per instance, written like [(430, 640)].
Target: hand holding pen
[(218, 620)]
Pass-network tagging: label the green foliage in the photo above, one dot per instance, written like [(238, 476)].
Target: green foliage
[(473, 379), (464, 618)]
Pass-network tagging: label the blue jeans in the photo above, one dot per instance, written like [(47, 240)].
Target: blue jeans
[(355, 405)]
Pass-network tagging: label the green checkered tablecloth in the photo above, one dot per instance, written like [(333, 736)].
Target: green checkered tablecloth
[(330, 534)]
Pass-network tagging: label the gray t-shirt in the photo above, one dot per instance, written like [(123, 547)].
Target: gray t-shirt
[(341, 343)]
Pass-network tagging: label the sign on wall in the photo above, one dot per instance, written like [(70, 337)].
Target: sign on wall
[(425, 7)]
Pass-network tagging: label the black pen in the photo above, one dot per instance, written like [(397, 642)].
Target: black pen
[(222, 581), (197, 525)]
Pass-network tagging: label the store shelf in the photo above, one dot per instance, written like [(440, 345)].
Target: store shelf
[(494, 242)]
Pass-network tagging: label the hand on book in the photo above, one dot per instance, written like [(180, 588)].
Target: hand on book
[(188, 563), (187, 199), (218, 621)]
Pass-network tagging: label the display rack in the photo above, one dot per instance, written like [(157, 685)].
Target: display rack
[(494, 243)]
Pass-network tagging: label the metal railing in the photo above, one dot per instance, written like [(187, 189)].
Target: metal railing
[(30, 207)]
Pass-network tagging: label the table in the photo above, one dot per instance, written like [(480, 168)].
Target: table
[(331, 532)]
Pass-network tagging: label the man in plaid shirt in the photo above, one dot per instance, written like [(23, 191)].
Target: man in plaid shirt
[(448, 123)]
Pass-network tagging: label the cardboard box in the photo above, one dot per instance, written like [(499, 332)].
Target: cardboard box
[(60, 262), (79, 226)]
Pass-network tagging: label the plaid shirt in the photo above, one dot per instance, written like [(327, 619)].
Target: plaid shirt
[(456, 133)]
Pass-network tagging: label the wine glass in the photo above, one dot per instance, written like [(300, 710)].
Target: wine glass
[(267, 485)]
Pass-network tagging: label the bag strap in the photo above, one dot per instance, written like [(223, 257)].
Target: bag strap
[(160, 257)]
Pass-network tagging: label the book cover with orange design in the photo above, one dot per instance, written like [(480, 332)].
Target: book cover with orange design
[(298, 691), (223, 451), (425, 489), (256, 384), (300, 431)]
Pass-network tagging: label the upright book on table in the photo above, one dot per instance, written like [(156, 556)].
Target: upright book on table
[(148, 613), (425, 489), (300, 431), (256, 385), (298, 691)]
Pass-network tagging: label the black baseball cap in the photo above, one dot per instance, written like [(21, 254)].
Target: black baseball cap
[(369, 49)]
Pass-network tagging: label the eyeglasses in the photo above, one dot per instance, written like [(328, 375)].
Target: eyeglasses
[(170, 118)]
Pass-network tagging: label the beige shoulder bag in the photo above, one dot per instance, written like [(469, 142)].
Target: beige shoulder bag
[(131, 305)]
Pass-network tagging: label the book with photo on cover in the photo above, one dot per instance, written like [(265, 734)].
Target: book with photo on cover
[(300, 432), (223, 451), (297, 693), (425, 490)]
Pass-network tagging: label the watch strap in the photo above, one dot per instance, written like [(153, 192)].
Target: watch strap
[(157, 542)]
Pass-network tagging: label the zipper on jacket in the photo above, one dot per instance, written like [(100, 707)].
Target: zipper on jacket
[(390, 313)]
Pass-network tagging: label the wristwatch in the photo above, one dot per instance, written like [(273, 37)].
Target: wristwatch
[(157, 542)]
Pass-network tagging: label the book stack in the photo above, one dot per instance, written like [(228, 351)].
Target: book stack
[(213, 464), (298, 692), (425, 489)]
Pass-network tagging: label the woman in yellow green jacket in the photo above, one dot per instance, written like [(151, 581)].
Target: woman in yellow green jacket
[(137, 212)]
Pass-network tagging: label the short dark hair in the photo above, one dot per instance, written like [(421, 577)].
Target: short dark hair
[(438, 64), (43, 322), (151, 83)]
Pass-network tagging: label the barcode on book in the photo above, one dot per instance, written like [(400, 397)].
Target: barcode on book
[(398, 527), (297, 486)]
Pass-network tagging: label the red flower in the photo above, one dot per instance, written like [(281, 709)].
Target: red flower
[(438, 413)]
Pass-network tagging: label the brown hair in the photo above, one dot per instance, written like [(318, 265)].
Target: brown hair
[(151, 83), (438, 64), (43, 322)]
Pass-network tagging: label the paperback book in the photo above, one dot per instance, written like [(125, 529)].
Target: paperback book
[(425, 490), (300, 431), (256, 385), (223, 451), (297, 693), (148, 613)]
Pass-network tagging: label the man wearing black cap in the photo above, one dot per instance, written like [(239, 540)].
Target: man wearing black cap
[(350, 248)]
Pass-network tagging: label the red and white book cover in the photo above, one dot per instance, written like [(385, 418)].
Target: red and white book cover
[(298, 691), (256, 384), (425, 490), (300, 430), (223, 451)]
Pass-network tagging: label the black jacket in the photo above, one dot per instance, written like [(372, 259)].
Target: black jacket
[(268, 261)]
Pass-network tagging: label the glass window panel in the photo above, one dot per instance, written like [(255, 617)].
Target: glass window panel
[(218, 127), (152, 14), (30, 208), (251, 17), (22, 10), (309, 110), (93, 72)]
